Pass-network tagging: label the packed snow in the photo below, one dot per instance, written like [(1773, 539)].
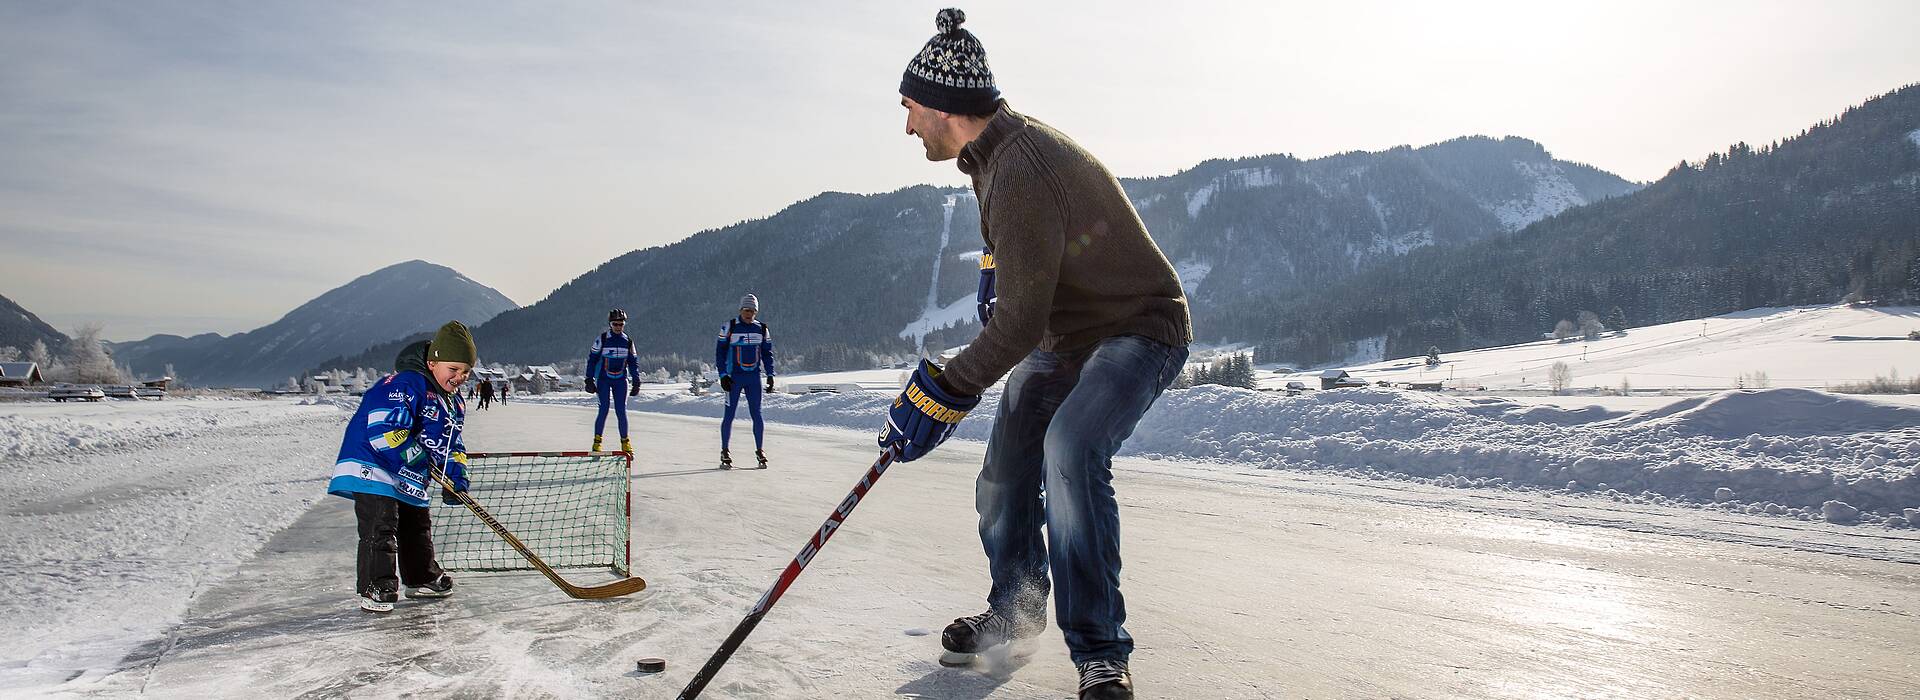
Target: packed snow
[(120, 512), (1791, 448), (1514, 594), (1816, 347)]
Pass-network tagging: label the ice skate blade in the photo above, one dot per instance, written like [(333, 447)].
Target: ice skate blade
[(956, 659), (369, 605)]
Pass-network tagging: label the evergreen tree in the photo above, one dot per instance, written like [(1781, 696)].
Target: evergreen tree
[(1616, 320)]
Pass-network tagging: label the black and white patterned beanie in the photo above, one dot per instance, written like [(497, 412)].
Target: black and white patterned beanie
[(951, 73)]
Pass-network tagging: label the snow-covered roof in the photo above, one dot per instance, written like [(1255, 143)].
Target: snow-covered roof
[(18, 370), (1333, 373)]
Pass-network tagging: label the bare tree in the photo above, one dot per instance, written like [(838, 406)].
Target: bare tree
[(38, 355), (9, 353), (1560, 376)]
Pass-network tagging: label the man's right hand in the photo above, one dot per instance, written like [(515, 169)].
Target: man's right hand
[(591, 389), (726, 383)]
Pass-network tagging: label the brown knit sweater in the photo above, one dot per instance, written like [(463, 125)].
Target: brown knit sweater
[(1073, 264)]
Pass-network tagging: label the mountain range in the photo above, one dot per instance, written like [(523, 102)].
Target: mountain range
[(391, 302), (1466, 243), (1830, 214), (893, 272)]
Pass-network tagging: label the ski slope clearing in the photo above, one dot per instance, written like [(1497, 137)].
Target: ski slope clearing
[(1241, 583), (1782, 451), (1809, 347)]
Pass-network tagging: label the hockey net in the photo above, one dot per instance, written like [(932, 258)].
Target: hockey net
[(574, 509)]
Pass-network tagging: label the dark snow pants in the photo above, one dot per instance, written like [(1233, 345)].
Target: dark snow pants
[(393, 535)]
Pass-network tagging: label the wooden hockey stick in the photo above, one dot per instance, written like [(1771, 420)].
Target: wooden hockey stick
[(633, 584)]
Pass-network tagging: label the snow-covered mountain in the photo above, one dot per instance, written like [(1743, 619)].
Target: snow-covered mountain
[(389, 303), (19, 328), (897, 271), (1268, 225)]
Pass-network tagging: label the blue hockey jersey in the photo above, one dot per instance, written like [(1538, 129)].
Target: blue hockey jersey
[(743, 346), (402, 429), (612, 358)]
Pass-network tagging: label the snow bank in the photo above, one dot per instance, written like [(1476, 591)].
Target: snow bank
[(118, 513), (40, 428), (1793, 449)]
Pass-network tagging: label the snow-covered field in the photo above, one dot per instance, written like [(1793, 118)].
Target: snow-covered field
[(1354, 543), (1809, 347), (120, 512), (1241, 583), (1781, 451)]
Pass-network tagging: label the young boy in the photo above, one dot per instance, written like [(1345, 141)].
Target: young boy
[(408, 425)]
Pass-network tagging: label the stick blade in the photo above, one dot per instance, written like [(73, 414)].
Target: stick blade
[(616, 589)]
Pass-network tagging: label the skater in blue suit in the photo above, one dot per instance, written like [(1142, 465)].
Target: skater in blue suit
[(613, 374), (744, 356)]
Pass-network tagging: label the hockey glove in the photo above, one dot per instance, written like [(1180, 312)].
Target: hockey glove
[(459, 479), (635, 389), (726, 383), (591, 387), (924, 415), (769, 384)]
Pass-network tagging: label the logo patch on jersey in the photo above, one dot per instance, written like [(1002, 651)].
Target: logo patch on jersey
[(431, 412)]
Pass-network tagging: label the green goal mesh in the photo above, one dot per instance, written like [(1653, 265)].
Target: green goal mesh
[(571, 508)]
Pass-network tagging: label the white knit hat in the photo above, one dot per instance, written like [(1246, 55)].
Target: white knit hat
[(750, 302)]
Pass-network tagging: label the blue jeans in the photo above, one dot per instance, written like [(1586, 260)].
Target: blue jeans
[(1049, 462), (615, 392), (743, 383)]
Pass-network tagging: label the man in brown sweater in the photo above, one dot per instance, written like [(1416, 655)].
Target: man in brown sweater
[(1077, 301)]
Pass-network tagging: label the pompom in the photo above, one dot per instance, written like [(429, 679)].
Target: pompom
[(949, 20)]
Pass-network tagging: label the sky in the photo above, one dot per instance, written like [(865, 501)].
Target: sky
[(186, 167)]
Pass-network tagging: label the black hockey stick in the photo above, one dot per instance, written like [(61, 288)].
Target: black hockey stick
[(799, 563)]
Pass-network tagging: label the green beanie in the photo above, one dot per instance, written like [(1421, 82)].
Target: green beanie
[(454, 343)]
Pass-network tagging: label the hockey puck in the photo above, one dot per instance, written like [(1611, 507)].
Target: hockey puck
[(651, 665)]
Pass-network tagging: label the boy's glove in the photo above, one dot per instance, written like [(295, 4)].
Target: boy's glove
[(769, 384), (726, 382), (459, 484), (634, 390), (924, 415), (591, 388)]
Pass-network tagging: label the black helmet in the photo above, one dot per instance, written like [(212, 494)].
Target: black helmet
[(616, 315)]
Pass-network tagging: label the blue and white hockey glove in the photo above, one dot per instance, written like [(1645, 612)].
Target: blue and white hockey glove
[(459, 479), (924, 415), (985, 297), (726, 383)]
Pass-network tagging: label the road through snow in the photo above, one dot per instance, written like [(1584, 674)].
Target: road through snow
[(1240, 583)]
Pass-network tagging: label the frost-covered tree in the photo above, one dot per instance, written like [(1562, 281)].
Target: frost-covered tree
[(1560, 377), (1565, 329), (1590, 326), (1433, 356), (9, 353), (37, 354), (87, 361)]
